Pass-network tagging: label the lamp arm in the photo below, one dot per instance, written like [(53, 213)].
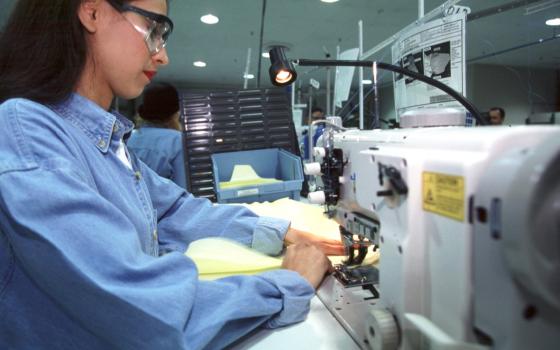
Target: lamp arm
[(396, 69)]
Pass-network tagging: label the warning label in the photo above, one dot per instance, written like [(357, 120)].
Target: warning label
[(444, 195)]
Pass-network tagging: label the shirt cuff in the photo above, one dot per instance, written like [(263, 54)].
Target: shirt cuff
[(268, 236), (296, 297)]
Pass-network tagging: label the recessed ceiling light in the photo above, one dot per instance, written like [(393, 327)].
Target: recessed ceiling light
[(265, 55), (209, 19), (199, 64), (329, 1), (553, 22), (367, 82), (248, 76)]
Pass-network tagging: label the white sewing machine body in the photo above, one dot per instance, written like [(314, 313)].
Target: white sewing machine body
[(445, 276)]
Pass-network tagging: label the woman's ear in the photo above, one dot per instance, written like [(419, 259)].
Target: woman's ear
[(88, 12)]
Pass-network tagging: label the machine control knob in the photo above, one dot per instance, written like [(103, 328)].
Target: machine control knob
[(396, 180), (312, 169), (396, 184), (382, 330), (317, 197), (319, 152)]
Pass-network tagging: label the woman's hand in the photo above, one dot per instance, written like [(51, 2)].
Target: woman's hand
[(326, 245), (309, 261)]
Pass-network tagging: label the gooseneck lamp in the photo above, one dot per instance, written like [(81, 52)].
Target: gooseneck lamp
[(281, 70), (282, 73)]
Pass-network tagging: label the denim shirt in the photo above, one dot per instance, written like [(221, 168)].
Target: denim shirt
[(82, 237), (162, 150)]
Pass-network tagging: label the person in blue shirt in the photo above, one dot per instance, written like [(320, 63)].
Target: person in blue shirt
[(316, 114), (91, 239), (158, 141)]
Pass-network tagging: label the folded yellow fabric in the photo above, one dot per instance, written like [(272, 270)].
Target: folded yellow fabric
[(303, 216), (219, 257), (244, 175)]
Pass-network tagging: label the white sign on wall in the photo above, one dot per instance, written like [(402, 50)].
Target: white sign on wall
[(437, 50)]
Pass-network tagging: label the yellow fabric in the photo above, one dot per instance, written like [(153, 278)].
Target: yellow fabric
[(217, 257), (303, 216), (244, 175)]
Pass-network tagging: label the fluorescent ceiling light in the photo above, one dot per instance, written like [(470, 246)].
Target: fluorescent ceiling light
[(553, 22), (265, 55), (209, 19), (367, 82), (199, 64), (329, 1), (248, 76)]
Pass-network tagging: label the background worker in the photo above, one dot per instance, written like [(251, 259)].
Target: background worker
[(496, 116), (158, 141)]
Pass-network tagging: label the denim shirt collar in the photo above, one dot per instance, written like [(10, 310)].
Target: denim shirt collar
[(99, 125)]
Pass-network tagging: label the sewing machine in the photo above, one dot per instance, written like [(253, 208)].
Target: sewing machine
[(467, 223)]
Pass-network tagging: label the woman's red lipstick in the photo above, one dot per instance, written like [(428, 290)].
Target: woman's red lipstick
[(150, 74)]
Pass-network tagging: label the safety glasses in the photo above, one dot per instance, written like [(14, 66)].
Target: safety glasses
[(155, 28)]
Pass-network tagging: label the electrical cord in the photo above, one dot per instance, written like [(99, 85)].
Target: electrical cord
[(396, 69)]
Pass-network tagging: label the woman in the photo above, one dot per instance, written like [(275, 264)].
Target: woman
[(84, 225), (158, 141)]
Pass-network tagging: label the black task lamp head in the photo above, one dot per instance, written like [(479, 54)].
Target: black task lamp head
[(281, 70)]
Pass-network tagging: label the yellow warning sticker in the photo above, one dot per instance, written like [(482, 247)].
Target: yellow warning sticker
[(444, 195)]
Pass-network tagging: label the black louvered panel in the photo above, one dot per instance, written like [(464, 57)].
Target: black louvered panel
[(230, 121)]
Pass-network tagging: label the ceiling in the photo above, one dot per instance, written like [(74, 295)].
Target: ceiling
[(312, 29)]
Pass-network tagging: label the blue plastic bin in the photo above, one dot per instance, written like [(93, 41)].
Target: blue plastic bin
[(267, 163)]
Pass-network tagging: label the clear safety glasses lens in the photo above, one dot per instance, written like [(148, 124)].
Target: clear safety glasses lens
[(155, 28), (156, 38)]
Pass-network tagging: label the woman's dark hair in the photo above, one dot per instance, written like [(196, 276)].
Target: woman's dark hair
[(43, 51)]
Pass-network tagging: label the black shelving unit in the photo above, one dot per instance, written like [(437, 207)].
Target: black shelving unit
[(229, 121)]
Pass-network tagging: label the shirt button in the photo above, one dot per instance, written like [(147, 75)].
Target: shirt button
[(101, 143), (115, 127), (138, 175), (154, 235)]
